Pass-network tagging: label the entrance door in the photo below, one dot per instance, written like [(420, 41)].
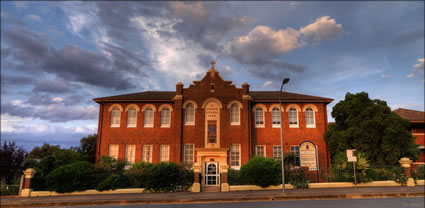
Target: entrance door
[(212, 174)]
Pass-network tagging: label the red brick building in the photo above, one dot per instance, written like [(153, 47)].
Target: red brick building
[(212, 125), (417, 127)]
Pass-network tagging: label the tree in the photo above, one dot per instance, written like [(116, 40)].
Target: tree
[(88, 147), (370, 127), (43, 151), (12, 161)]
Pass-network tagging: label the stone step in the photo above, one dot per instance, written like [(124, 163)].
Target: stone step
[(211, 189)]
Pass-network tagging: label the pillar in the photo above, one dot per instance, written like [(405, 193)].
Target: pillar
[(405, 163), (196, 187), (29, 174), (224, 183)]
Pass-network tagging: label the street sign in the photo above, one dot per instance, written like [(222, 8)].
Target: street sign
[(350, 155)]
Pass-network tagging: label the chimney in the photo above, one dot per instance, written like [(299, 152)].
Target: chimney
[(245, 88), (179, 88)]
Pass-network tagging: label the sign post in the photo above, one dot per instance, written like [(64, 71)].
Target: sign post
[(353, 159)]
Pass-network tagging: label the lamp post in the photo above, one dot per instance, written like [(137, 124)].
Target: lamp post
[(286, 80)]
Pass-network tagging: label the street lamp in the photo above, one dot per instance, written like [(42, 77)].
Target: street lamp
[(286, 80)]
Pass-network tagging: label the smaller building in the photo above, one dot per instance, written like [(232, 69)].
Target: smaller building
[(417, 127)]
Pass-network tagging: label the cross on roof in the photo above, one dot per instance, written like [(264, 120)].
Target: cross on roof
[(212, 64)]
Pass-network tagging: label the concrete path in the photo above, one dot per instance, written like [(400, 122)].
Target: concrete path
[(189, 197)]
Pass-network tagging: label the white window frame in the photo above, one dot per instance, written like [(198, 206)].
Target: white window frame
[(276, 152), (163, 124), (114, 153), (289, 118), (259, 125), (238, 114), (257, 148), (235, 149), (313, 118), (295, 149), (189, 153), (274, 125), (115, 117), (130, 155), (186, 122), (147, 148), (131, 125), (164, 153), (145, 124)]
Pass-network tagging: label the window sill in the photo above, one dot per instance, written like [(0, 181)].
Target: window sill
[(311, 127), (259, 126), (165, 126), (235, 124), (115, 126), (275, 126), (294, 126), (189, 124), (236, 167)]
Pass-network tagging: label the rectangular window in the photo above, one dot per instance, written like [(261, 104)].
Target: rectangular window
[(275, 117), (235, 156), (212, 132), (309, 118), (131, 117), (130, 154), (147, 153), (234, 115), (165, 117), (148, 115), (295, 149), (189, 150), (293, 118), (164, 154), (259, 117), (260, 151), (113, 150), (277, 152)]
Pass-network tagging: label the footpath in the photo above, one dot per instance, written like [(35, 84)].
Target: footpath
[(213, 197)]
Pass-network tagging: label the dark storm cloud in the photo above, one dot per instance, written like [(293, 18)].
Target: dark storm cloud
[(31, 52), (56, 86), (200, 21), (276, 70), (51, 112), (7, 80), (38, 99), (45, 99)]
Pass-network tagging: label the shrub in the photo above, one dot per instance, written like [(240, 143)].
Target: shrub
[(262, 172), (378, 174), (421, 172), (298, 179), (30, 163), (114, 181), (137, 174), (399, 176), (234, 177), (109, 165), (69, 178), (168, 177), (343, 170)]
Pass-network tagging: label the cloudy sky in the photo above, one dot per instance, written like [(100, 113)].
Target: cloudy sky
[(57, 56)]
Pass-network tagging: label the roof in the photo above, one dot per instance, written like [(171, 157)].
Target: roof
[(274, 95), (411, 115), (169, 95)]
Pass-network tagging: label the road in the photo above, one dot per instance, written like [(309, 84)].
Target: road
[(346, 203)]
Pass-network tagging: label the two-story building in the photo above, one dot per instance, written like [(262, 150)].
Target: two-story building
[(212, 125)]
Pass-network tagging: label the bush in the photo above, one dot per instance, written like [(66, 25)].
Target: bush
[(378, 174), (137, 174), (420, 172), (234, 177), (262, 172), (343, 170), (69, 178), (399, 176), (114, 181), (30, 163), (298, 179), (168, 177), (9, 189), (109, 165)]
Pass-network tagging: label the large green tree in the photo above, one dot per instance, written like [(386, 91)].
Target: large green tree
[(88, 147), (11, 161), (369, 126), (43, 151)]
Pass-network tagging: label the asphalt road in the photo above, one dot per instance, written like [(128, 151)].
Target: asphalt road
[(345, 203)]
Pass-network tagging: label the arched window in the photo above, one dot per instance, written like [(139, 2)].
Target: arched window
[(293, 117), (148, 117), (276, 117), (165, 117), (189, 114), (259, 117), (309, 118), (234, 114), (131, 117), (115, 117)]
